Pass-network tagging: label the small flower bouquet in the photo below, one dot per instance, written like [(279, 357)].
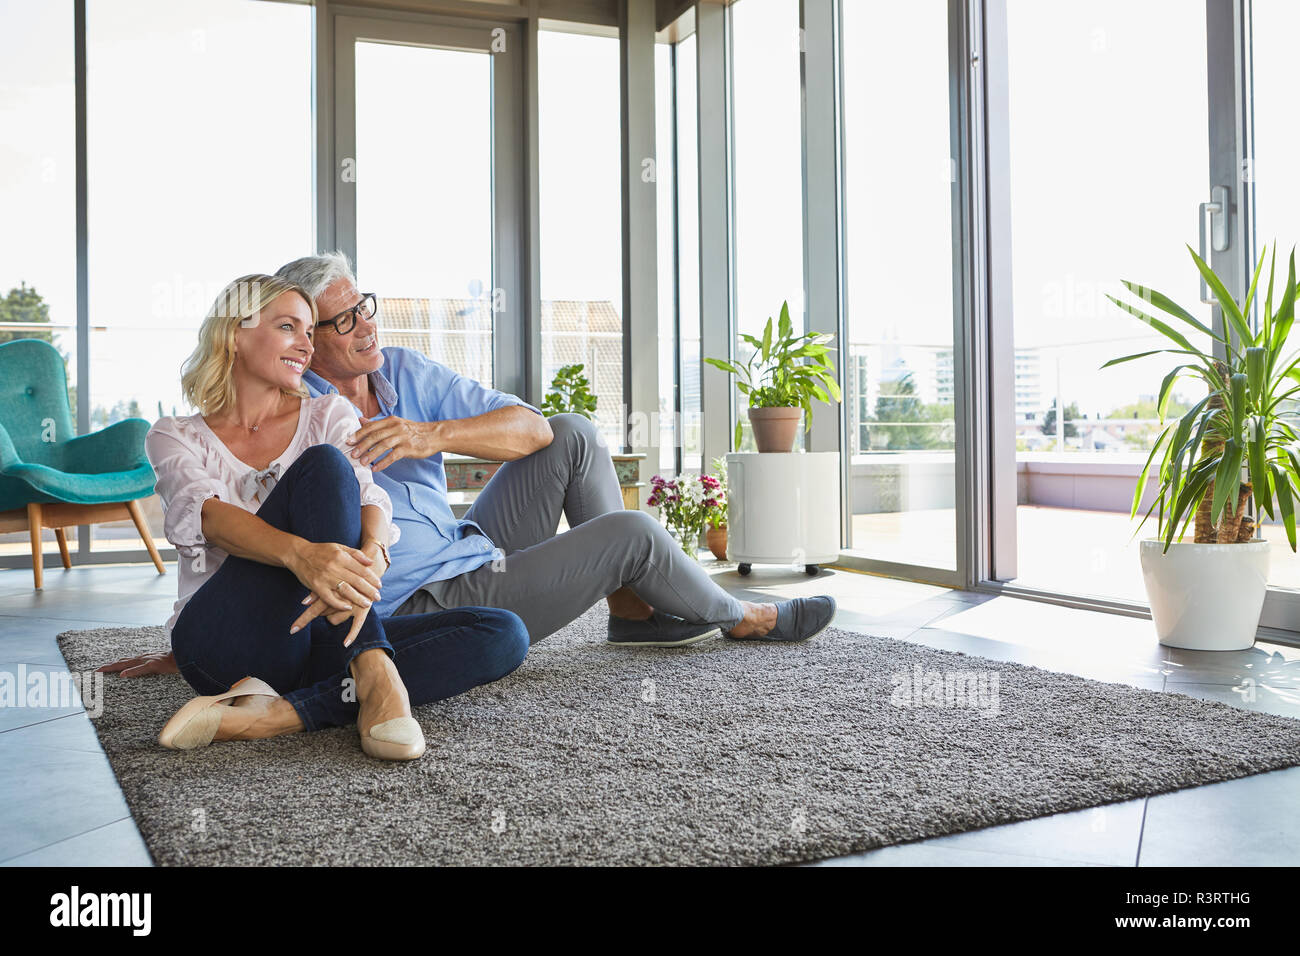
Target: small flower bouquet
[(686, 503), (715, 499)]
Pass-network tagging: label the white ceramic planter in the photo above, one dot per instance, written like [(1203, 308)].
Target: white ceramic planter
[(1206, 597)]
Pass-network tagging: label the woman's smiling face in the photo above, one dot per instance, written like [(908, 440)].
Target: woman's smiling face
[(274, 345)]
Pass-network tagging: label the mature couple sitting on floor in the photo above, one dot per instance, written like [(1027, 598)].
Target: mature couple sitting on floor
[(323, 577)]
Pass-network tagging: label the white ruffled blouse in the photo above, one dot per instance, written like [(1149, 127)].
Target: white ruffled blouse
[(192, 465)]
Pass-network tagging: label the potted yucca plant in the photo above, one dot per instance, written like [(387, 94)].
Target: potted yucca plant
[(1231, 446)]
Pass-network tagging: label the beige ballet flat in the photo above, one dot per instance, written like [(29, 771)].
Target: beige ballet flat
[(398, 739), (195, 724)]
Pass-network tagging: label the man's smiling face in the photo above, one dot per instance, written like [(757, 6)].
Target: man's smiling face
[(341, 357)]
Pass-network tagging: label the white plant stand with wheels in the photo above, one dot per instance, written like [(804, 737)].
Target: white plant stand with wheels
[(783, 509)]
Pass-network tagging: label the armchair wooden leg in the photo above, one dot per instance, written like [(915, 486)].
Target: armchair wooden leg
[(34, 526), (140, 525), (62, 538)]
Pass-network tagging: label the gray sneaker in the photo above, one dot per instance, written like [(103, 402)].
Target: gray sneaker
[(798, 619), (659, 630)]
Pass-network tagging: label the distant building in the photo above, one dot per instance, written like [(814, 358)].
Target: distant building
[(458, 333), (590, 333), (1029, 384), (455, 332), (943, 377)]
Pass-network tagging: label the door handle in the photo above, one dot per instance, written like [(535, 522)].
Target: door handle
[(1218, 209)]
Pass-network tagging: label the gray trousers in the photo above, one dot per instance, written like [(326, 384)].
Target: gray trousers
[(549, 579)]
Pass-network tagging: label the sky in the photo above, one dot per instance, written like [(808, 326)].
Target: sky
[(198, 139), (768, 162), (1108, 163), (442, 243), (200, 169), (1277, 193), (424, 179), (207, 176), (1109, 160)]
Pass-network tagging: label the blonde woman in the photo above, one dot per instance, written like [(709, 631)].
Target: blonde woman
[(283, 543)]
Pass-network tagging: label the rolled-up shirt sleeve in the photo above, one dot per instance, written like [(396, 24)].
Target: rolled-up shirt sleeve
[(183, 483), (341, 423)]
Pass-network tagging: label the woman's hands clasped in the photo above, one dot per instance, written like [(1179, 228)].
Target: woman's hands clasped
[(343, 582)]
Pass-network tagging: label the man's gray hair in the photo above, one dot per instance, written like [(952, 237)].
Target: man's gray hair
[(315, 273)]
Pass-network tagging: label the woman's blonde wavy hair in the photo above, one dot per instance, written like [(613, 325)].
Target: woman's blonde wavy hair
[(206, 379)]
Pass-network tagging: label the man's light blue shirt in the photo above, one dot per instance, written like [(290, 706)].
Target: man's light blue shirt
[(435, 544)]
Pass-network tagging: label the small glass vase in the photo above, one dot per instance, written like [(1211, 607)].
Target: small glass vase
[(689, 542)]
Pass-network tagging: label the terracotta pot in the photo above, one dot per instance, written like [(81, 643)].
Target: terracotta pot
[(716, 539), (775, 428)]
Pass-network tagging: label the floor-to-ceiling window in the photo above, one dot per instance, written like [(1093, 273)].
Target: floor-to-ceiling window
[(38, 285), (429, 199), (688, 253), (1276, 207), (424, 200), (767, 171), (581, 217), (1108, 162), (899, 178), (676, 140), (199, 167), (665, 179)]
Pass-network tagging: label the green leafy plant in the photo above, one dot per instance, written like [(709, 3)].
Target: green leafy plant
[(785, 370), (1239, 423), (715, 505), (569, 392)]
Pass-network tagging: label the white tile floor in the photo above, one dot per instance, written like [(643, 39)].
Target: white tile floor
[(60, 803)]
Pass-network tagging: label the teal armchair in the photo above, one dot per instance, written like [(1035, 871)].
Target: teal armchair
[(51, 477)]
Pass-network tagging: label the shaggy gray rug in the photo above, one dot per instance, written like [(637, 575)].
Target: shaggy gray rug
[(737, 753)]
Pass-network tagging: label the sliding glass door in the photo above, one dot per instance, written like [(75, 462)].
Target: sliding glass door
[(902, 289), (1134, 131), (580, 226), (1271, 218), (1107, 117), (428, 186), (1006, 165), (767, 202)]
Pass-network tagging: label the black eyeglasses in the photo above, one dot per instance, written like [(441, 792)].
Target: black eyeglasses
[(346, 321)]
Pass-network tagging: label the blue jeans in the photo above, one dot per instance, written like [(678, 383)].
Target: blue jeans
[(237, 624)]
